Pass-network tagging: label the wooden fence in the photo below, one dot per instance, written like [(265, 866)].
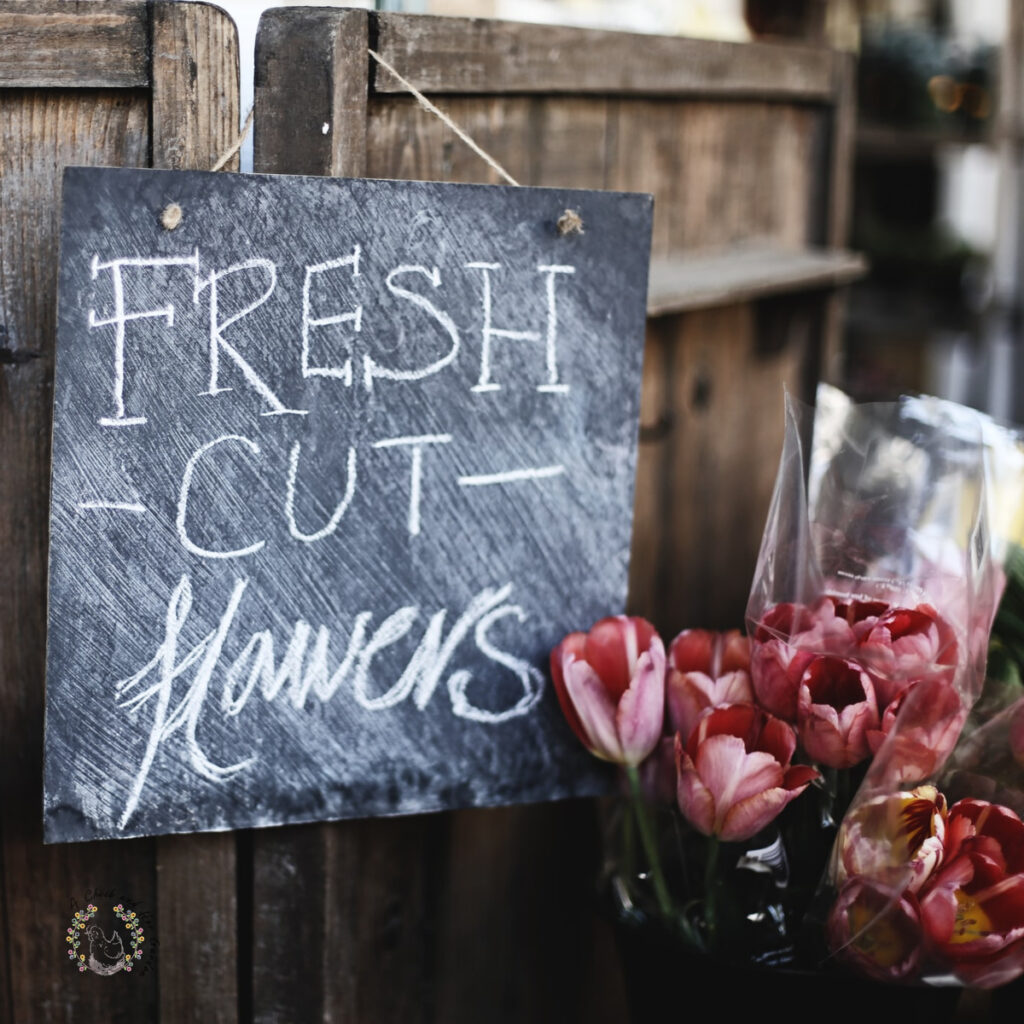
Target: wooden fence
[(465, 916)]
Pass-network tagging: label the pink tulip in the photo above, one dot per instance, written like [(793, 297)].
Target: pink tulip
[(876, 929), (895, 840), (905, 645), (610, 684), (706, 670), (734, 774), (925, 720), (835, 709)]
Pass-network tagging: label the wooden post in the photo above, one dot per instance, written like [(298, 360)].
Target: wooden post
[(195, 119), (105, 103)]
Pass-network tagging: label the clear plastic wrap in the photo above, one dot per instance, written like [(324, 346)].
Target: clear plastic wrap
[(870, 614)]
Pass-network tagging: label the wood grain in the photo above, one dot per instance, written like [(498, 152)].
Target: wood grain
[(195, 86), (40, 132), (730, 365), (195, 117), (474, 55), (57, 44), (514, 922), (648, 569)]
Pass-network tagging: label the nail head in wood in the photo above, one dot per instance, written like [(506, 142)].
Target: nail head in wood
[(171, 217), (570, 223)]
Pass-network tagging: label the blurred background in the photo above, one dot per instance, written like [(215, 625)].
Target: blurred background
[(937, 204), (937, 180)]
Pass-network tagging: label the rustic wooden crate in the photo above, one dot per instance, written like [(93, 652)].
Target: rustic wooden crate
[(474, 915)]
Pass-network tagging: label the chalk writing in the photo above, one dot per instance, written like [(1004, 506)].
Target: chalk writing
[(336, 462)]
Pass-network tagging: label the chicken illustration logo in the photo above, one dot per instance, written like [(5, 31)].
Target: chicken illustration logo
[(106, 954)]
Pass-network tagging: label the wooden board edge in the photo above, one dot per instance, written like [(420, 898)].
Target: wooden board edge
[(480, 56), (60, 45)]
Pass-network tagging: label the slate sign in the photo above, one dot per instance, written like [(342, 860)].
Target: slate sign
[(335, 464)]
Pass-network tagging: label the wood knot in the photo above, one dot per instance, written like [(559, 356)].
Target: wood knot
[(570, 223), (171, 217)]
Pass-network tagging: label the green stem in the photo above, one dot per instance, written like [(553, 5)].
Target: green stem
[(647, 838), (710, 890)]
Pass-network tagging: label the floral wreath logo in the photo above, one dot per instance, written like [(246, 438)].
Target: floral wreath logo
[(106, 955)]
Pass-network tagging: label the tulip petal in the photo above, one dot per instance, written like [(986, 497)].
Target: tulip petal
[(687, 696), (571, 646), (595, 708), (747, 817), (694, 798), (693, 651), (641, 710), (731, 774), (613, 648)]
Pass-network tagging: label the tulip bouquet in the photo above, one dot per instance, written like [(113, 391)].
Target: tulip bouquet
[(809, 793)]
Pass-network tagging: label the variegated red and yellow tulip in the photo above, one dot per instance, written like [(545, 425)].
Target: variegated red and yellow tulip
[(973, 908), (896, 840)]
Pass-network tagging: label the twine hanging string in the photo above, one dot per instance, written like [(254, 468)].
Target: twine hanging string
[(437, 112), (237, 144), (569, 223)]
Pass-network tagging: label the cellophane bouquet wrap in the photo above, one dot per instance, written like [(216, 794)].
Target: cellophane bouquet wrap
[(840, 789), (870, 616)]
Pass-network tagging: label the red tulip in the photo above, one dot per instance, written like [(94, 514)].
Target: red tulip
[(973, 909), (734, 774), (610, 684), (786, 640), (835, 709), (706, 670), (877, 930)]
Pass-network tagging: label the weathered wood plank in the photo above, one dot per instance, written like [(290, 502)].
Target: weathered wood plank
[(515, 939), (341, 912), (514, 931), (57, 44), (405, 141), (840, 170), (195, 103), (648, 569), (343, 920), (195, 86), (837, 230), (40, 132), (474, 55), (720, 173), (730, 365), (311, 68), (744, 272)]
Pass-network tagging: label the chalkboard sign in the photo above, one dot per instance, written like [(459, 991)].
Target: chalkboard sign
[(335, 464)]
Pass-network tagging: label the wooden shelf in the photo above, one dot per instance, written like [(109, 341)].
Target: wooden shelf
[(744, 272), (885, 142)]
